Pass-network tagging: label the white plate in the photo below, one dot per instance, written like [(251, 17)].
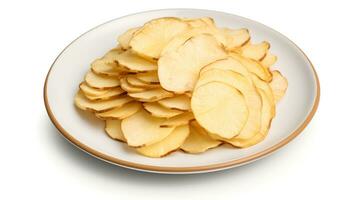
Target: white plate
[(294, 111)]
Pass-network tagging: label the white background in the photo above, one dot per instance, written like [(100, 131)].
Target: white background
[(36, 162)]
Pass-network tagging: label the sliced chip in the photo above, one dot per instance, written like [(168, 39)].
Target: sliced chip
[(279, 84), (232, 39), (254, 51), (254, 67), (113, 129), (132, 80), (112, 54), (157, 110), (198, 141), (219, 108), (251, 96), (121, 112), (113, 92), (148, 77), (167, 145), (105, 67), (125, 38), (155, 34), (269, 60), (268, 112), (129, 88), (135, 63), (265, 87), (200, 22), (180, 102), (142, 129), (92, 91), (179, 70), (178, 120), (85, 104), (151, 95), (101, 82)]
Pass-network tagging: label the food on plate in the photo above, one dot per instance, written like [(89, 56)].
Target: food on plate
[(184, 84)]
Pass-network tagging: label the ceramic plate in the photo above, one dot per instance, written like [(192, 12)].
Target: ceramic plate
[(83, 130)]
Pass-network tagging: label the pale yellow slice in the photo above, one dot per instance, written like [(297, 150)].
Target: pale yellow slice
[(157, 110), (101, 82), (167, 145), (92, 91), (132, 80), (105, 67), (151, 95), (148, 77), (121, 112), (269, 60), (125, 38), (219, 108), (129, 88), (113, 92), (255, 51), (142, 129), (180, 102), (178, 120), (113, 129), (133, 62), (279, 84)]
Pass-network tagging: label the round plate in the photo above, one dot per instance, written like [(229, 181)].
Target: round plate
[(82, 129)]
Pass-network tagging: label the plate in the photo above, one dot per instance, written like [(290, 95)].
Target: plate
[(83, 130)]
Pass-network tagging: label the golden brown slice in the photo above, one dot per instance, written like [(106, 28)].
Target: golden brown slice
[(101, 82), (125, 38), (268, 113), (255, 51), (254, 67), (132, 80), (151, 95), (121, 112), (129, 88), (178, 120), (92, 91), (157, 110), (251, 96), (148, 77), (198, 141), (105, 67), (167, 145), (179, 70), (155, 34), (99, 106), (113, 92), (219, 108), (180, 102), (142, 129), (269, 60), (133, 62), (113, 129), (279, 84)]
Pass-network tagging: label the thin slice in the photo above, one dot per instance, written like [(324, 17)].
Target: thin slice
[(180, 102), (151, 95), (251, 96), (200, 22), (121, 112), (155, 34), (179, 70), (148, 77), (279, 84), (198, 141), (255, 51), (129, 88), (105, 67), (178, 120), (133, 62), (101, 82), (113, 53), (113, 129), (142, 129), (233, 39), (125, 38), (99, 106), (269, 60), (132, 80), (113, 92), (268, 113), (219, 108), (92, 91), (167, 145), (157, 110), (254, 67)]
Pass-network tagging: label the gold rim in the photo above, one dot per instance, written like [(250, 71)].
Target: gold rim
[(211, 167)]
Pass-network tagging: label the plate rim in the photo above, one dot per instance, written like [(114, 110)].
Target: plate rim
[(194, 169)]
